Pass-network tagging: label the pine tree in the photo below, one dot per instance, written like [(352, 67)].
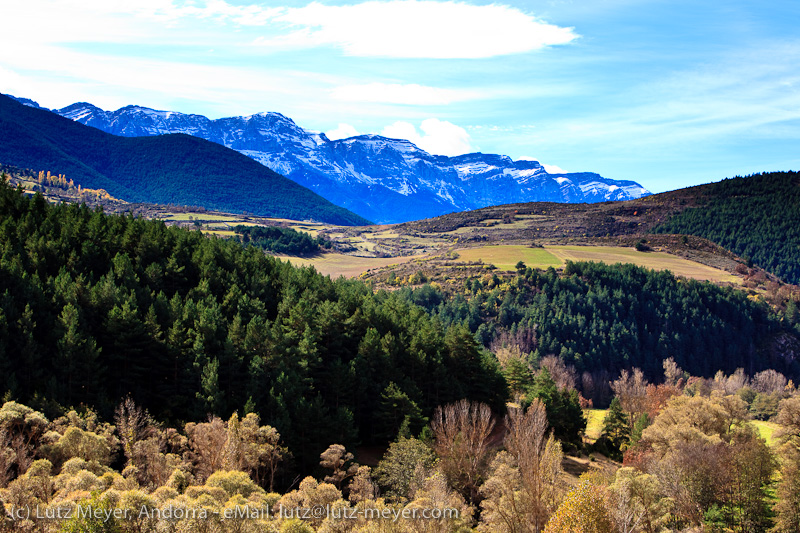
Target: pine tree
[(396, 410), (616, 429), (564, 413), (79, 356)]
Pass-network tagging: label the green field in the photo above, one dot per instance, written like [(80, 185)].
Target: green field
[(654, 260), (505, 257), (594, 422), (766, 430), (182, 217)]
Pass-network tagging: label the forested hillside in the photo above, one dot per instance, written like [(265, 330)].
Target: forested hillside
[(603, 318), (281, 240), (94, 308), (167, 169), (757, 217)]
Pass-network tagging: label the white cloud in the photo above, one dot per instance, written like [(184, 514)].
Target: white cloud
[(553, 169), (437, 137), (343, 131), (418, 29), (111, 82), (405, 94), (376, 28), (745, 94)]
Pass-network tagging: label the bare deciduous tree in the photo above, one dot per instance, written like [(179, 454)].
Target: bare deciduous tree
[(6, 457), (133, 424), (539, 458), (523, 341), (523, 488), (631, 389), (769, 382), (362, 488), (730, 384), (24, 429), (637, 502), (789, 419), (207, 445), (787, 507), (462, 431), (673, 374), (564, 375), (262, 451)]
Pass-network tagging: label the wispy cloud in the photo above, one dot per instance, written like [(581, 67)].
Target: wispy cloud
[(746, 93), (736, 114), (117, 21), (157, 51), (398, 93), (111, 82), (390, 28), (418, 29)]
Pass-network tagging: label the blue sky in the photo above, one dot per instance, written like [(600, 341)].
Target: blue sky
[(666, 93)]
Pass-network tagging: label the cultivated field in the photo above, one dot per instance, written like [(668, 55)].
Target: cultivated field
[(504, 257), (499, 236), (349, 266)]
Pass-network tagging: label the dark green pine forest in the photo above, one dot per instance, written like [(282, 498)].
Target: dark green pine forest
[(756, 217), (94, 308), (167, 169), (281, 240)]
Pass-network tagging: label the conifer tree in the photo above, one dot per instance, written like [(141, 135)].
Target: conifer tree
[(616, 429)]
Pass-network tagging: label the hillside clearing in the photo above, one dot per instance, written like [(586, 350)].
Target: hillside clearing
[(766, 430), (594, 422)]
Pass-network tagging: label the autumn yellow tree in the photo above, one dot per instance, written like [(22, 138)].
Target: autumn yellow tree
[(711, 462), (584, 510), (787, 507)]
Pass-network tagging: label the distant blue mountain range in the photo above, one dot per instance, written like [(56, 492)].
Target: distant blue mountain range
[(384, 180)]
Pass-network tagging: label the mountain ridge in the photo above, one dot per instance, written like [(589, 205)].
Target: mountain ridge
[(177, 169), (383, 179)]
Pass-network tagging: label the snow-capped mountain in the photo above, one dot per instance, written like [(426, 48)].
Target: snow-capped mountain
[(385, 180)]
